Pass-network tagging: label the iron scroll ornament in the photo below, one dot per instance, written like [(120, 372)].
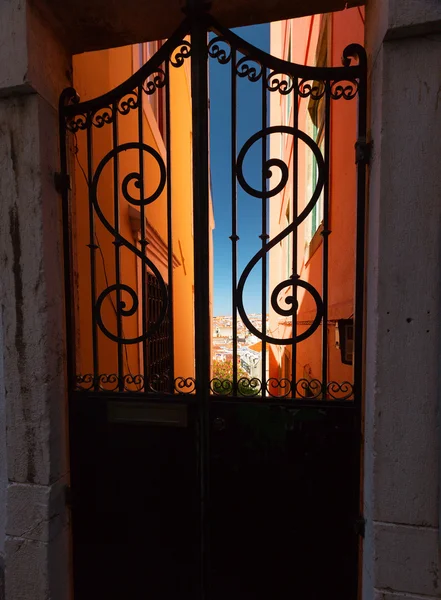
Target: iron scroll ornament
[(121, 307), (247, 387), (125, 97), (103, 111), (132, 383), (294, 281)]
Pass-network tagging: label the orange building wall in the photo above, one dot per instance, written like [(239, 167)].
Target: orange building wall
[(344, 28), (96, 73)]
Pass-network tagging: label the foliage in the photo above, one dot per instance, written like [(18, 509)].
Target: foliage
[(223, 369), (223, 379)]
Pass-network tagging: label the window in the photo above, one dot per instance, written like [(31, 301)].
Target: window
[(316, 130), (345, 339), (316, 112), (159, 358)]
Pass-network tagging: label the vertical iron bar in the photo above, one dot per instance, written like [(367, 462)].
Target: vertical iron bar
[(325, 234), (295, 209), (117, 245), (143, 242), (169, 223), (360, 240), (69, 299), (360, 272), (264, 235), (93, 248), (199, 89), (234, 237)]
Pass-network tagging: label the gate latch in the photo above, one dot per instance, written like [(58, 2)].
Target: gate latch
[(363, 151)]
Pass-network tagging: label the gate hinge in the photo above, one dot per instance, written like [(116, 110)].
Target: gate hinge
[(363, 151), (360, 526), (62, 182)]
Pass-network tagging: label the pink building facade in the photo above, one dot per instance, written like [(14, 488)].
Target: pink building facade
[(316, 40)]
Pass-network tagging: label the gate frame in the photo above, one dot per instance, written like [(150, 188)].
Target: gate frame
[(198, 24)]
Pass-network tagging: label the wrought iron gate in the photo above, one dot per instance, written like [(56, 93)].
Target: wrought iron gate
[(184, 484)]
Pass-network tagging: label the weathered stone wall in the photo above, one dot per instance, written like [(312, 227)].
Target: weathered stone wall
[(31, 303), (401, 549), (34, 540)]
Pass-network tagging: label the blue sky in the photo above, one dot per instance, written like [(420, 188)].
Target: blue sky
[(249, 121)]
